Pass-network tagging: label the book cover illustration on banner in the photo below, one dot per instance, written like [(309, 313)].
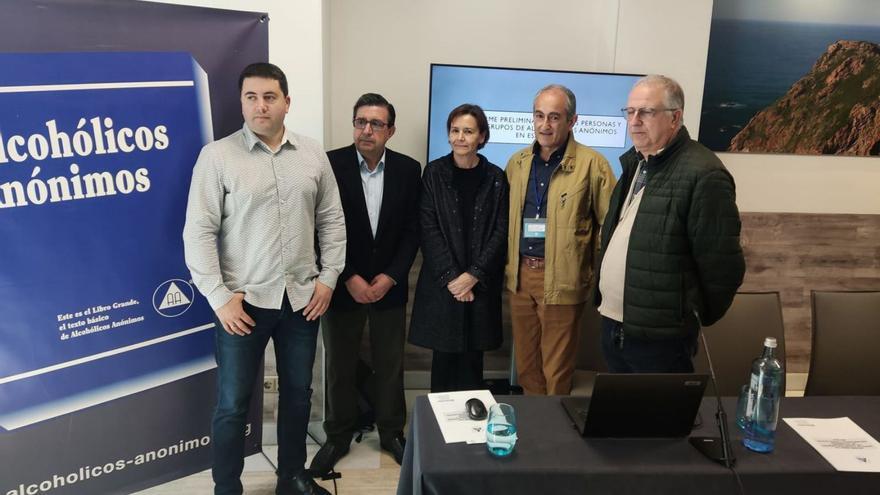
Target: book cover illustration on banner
[(96, 154)]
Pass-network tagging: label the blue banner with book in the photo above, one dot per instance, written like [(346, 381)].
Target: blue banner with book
[(107, 364)]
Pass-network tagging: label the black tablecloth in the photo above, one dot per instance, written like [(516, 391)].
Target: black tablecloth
[(551, 458)]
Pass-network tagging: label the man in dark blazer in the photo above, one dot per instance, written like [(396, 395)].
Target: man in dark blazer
[(379, 190)]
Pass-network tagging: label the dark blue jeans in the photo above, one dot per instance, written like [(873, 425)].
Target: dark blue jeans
[(625, 354), (238, 362)]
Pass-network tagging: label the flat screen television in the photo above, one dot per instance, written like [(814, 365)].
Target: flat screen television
[(506, 95)]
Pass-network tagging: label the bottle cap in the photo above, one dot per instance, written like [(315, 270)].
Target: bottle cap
[(770, 342)]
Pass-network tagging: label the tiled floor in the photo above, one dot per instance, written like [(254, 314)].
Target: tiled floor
[(366, 470), (361, 469)]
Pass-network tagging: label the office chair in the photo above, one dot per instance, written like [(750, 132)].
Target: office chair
[(738, 338), (845, 357)]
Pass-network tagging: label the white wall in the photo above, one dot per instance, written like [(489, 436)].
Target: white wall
[(387, 46), (296, 45), (652, 40), (805, 184), (335, 50)]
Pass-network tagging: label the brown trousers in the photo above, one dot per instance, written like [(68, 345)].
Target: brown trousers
[(545, 336)]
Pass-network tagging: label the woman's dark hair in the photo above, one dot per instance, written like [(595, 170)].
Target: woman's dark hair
[(477, 113)]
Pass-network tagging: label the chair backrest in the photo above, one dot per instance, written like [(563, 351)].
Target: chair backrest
[(845, 358), (738, 338)]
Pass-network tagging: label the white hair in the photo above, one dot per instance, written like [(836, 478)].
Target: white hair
[(673, 95)]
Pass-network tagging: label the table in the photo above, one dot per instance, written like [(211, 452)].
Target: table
[(551, 458)]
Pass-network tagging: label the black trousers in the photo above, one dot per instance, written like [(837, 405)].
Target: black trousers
[(625, 354), (452, 371), (342, 333)]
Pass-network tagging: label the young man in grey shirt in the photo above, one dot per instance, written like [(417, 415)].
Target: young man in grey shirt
[(259, 199)]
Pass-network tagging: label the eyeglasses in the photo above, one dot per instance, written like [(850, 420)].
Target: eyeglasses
[(646, 113), (377, 125)]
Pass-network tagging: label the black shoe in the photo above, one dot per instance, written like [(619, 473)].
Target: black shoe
[(301, 484), (328, 456), (395, 445)]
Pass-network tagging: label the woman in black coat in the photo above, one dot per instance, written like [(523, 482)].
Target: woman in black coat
[(463, 218)]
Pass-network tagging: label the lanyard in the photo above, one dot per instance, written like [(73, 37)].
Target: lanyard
[(540, 198)]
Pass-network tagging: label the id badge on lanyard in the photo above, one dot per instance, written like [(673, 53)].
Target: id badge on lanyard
[(534, 228)]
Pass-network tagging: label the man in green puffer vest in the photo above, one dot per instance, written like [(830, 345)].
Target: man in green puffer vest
[(670, 259)]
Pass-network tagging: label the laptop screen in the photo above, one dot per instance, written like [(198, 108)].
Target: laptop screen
[(638, 405)]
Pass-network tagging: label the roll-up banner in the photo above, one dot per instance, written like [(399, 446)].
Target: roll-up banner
[(107, 371)]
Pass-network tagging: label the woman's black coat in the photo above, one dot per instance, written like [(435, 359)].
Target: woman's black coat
[(438, 320)]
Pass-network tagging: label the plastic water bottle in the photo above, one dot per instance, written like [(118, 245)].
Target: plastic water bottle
[(765, 393)]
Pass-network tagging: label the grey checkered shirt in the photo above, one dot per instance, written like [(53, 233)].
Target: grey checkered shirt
[(252, 217)]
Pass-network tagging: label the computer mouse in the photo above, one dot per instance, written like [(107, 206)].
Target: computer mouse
[(476, 410)]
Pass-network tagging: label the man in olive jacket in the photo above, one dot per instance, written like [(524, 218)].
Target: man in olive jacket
[(559, 193), (671, 259)]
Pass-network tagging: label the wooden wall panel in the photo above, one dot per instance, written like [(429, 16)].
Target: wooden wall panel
[(792, 253), (795, 253)]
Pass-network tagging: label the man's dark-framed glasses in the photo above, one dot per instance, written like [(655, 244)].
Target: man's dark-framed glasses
[(377, 125)]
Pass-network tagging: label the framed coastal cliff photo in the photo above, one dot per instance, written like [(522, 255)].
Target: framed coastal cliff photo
[(793, 76)]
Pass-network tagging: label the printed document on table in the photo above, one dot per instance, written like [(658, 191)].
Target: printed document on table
[(449, 409), (841, 442)]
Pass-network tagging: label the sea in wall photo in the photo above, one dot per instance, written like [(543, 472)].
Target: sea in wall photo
[(811, 94)]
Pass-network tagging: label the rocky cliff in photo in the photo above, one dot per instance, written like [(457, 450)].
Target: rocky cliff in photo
[(834, 109)]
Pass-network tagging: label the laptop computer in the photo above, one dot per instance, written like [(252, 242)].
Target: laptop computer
[(638, 405)]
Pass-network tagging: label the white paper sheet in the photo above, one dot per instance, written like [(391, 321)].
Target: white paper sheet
[(449, 409), (841, 442)]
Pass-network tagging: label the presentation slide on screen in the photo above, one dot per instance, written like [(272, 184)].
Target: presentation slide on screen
[(506, 95), (96, 155)]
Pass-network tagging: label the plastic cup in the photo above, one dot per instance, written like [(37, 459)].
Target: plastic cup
[(501, 430)]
